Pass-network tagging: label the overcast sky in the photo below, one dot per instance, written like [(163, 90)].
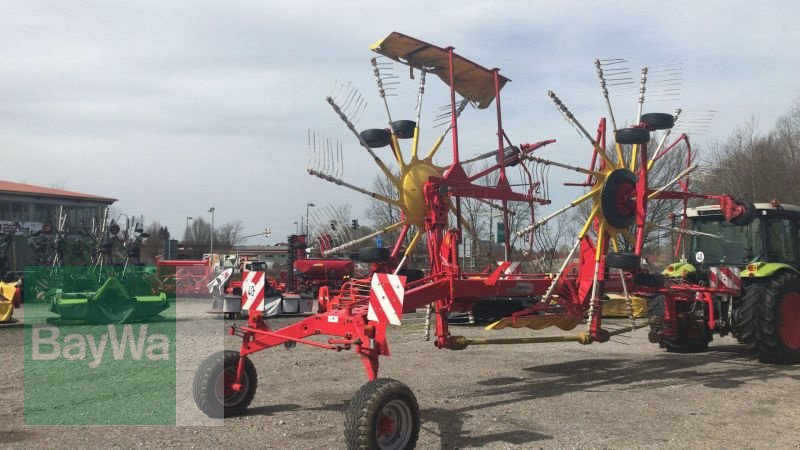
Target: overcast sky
[(176, 106)]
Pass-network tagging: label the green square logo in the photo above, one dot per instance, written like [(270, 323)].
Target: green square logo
[(99, 348)]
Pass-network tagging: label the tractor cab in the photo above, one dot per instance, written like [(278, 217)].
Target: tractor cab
[(769, 237)]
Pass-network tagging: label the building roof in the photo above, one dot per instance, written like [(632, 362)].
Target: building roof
[(10, 187)]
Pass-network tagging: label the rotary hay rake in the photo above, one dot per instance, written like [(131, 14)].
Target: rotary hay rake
[(384, 412)]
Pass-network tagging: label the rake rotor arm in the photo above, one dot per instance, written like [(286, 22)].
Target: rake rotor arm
[(524, 152), (364, 238), (572, 120), (440, 139), (557, 213), (361, 140), (340, 182)]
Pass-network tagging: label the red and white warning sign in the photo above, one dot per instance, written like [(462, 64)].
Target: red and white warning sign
[(386, 298), (253, 291), (725, 277)]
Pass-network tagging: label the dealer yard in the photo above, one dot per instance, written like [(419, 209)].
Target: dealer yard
[(523, 396)]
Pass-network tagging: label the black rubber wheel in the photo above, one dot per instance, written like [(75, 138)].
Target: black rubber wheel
[(624, 261), (376, 137), (404, 129), (619, 209), (658, 121), (374, 254), (748, 216), (693, 337), (383, 414), (211, 388), (412, 275), (633, 136), (769, 318)]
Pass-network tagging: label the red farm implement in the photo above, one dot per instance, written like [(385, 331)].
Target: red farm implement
[(184, 277), (384, 413)]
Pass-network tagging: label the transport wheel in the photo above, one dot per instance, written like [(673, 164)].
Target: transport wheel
[(213, 385), (404, 129), (748, 216), (770, 319), (693, 337), (383, 414), (633, 136), (658, 121), (376, 137)]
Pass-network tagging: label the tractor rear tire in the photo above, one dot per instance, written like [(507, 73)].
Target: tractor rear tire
[(658, 121), (691, 338), (376, 137), (374, 254), (383, 414), (632, 136), (770, 319), (211, 388), (624, 261)]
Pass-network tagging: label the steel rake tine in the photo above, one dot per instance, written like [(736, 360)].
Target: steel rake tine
[(339, 158)]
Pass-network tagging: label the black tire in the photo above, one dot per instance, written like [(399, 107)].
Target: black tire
[(748, 216), (374, 254), (764, 326), (692, 337), (658, 121), (209, 385), (376, 137), (373, 405), (624, 261), (404, 129), (633, 136)]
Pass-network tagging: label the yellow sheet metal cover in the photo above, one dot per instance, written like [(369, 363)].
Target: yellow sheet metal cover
[(615, 306), (472, 81), (537, 322)]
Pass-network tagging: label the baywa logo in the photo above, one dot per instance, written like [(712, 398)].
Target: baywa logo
[(48, 344)]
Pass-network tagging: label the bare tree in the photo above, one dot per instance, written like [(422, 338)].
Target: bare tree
[(152, 245), (228, 235), (758, 167)]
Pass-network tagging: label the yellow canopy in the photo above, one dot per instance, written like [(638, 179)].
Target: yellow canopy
[(472, 81)]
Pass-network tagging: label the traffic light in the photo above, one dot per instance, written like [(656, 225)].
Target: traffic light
[(333, 225), (355, 224)]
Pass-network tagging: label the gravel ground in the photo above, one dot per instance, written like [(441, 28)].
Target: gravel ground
[(621, 394)]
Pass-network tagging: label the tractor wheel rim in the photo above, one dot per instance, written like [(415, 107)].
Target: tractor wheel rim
[(790, 320), (224, 387), (394, 425)]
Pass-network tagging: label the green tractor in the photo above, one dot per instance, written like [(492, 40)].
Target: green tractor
[(759, 251)]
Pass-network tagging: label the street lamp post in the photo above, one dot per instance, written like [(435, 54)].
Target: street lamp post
[(307, 206), (296, 228), (267, 233), (188, 231), (211, 210), (187, 235)]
